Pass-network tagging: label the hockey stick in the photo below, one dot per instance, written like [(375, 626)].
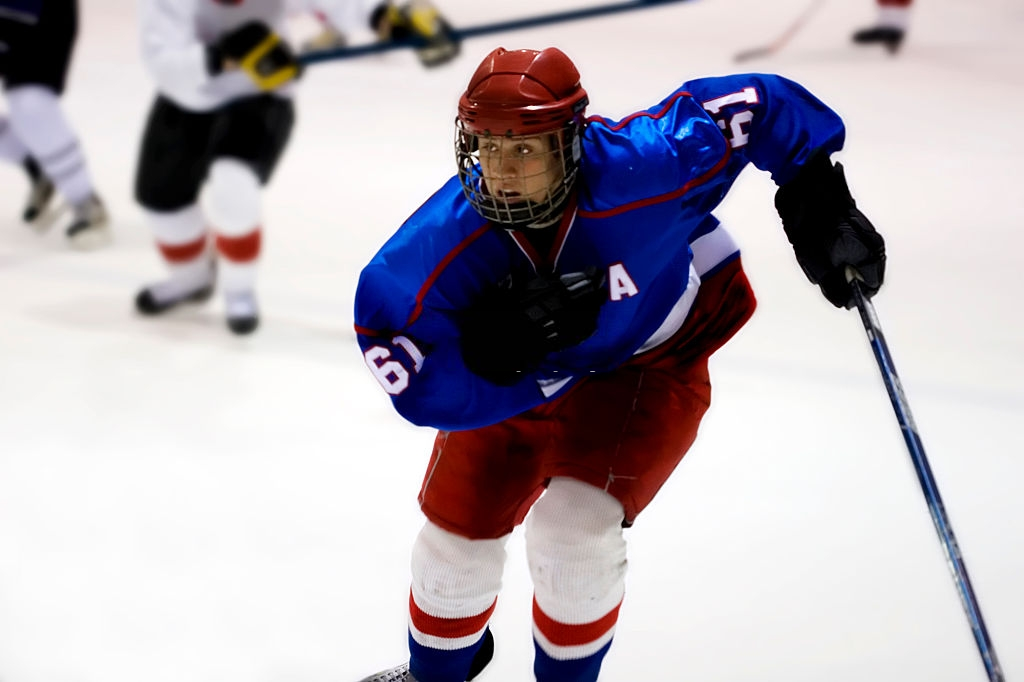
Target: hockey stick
[(460, 34), (784, 38), (927, 481)]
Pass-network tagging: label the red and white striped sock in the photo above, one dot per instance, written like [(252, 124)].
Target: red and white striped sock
[(455, 583), (233, 197), (577, 558), (894, 14), (182, 240)]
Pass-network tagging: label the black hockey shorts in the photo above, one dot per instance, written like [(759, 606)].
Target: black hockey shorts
[(178, 146), (36, 41)]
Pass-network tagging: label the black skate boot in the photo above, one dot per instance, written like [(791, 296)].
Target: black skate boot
[(40, 192), (401, 673), (242, 313), (888, 36), (90, 225), (147, 303), (163, 296)]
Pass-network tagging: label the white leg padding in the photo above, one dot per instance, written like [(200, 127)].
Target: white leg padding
[(894, 17), (237, 277), (454, 577), (576, 551), (11, 148), (232, 198), (178, 228), (175, 228), (40, 124)]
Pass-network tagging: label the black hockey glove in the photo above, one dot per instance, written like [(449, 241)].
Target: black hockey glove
[(258, 51), (510, 330), (828, 233), (417, 20)]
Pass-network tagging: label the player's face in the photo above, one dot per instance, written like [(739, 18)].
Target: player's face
[(519, 169)]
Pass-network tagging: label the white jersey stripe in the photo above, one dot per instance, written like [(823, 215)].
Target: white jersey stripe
[(709, 251)]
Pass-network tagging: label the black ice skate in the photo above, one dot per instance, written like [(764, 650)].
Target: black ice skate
[(163, 296), (401, 673), (40, 192), (888, 36), (90, 225), (242, 313)]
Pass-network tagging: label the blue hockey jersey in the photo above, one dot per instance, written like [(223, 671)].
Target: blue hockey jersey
[(647, 186)]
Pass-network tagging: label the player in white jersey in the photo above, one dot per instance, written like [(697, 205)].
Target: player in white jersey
[(37, 38), (222, 117), (891, 27)]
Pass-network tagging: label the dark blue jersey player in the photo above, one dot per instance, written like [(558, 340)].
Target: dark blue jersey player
[(551, 310)]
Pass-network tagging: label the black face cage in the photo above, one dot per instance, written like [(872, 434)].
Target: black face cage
[(517, 215)]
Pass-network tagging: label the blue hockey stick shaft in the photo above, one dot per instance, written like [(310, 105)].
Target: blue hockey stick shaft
[(481, 30), (927, 481)]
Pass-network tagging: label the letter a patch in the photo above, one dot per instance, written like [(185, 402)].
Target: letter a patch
[(620, 284)]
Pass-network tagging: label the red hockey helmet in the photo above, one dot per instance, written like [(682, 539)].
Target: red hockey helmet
[(519, 92)]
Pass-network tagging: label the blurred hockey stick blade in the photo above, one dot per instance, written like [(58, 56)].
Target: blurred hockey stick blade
[(784, 37), (954, 558), (460, 34)]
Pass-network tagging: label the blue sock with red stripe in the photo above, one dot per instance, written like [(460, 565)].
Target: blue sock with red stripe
[(439, 665), (547, 669)]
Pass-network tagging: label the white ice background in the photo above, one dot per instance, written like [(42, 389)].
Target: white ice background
[(180, 505)]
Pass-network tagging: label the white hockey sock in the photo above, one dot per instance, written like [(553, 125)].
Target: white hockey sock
[(185, 279), (455, 581), (181, 237), (233, 206), (894, 17), (577, 558), (11, 148), (237, 277), (39, 122)]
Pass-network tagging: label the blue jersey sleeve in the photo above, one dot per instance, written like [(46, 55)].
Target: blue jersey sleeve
[(430, 386), (407, 307), (769, 121)]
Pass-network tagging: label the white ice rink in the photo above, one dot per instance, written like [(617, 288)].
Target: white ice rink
[(179, 505)]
